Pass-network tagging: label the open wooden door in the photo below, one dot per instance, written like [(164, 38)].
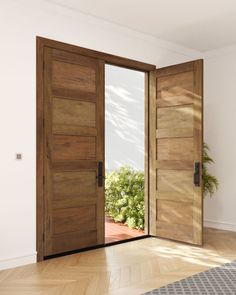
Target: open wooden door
[(176, 139), (74, 151)]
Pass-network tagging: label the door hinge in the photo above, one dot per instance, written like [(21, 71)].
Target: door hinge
[(43, 179), (43, 237)]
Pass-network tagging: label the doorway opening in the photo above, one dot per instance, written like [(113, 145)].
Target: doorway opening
[(124, 153), (71, 151)]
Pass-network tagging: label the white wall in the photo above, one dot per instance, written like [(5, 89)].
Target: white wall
[(20, 22), (124, 119), (220, 134)]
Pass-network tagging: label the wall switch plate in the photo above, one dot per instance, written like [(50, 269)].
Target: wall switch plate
[(18, 156)]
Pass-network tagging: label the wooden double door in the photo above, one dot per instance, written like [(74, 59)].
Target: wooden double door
[(70, 155)]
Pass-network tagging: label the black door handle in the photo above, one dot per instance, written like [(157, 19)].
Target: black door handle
[(100, 176), (196, 175)]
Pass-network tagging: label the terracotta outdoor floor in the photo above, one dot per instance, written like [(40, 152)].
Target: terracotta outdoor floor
[(117, 231)]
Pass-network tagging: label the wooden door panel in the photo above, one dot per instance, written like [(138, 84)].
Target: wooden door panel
[(176, 90), (80, 219), (74, 94), (73, 148), (171, 164), (178, 100), (73, 202), (175, 117), (176, 144), (74, 240), (171, 181), (74, 184), (74, 144), (174, 212), (174, 132), (73, 77), (73, 114), (179, 84), (74, 58), (174, 196), (175, 121), (175, 149), (177, 232)]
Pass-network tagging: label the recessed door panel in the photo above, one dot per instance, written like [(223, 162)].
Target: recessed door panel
[(80, 219), (74, 184), (73, 116), (73, 148), (71, 76)]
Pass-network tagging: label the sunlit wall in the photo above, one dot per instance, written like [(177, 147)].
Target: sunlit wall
[(124, 127)]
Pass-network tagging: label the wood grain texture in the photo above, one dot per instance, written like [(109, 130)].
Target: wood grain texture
[(80, 219), (100, 149), (83, 62), (174, 132), (74, 183), (175, 117), (73, 144), (179, 84), (76, 114), (174, 149), (198, 149), (39, 150), (175, 181), (73, 148), (175, 231), (72, 189), (126, 269), (177, 123), (152, 153), (73, 240), (108, 58), (174, 212), (174, 164), (73, 77), (48, 147)]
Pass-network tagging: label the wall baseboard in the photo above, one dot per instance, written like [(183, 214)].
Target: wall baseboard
[(18, 261), (220, 225)]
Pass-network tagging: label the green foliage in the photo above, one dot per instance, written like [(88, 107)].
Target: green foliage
[(124, 192), (210, 182)]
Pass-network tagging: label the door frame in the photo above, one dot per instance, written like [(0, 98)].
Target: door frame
[(41, 43)]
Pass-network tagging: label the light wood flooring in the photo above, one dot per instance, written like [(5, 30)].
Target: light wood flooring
[(130, 268)]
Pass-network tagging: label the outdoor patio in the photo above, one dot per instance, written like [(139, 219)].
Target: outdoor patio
[(118, 231)]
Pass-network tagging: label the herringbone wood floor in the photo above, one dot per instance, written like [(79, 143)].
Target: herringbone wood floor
[(130, 268)]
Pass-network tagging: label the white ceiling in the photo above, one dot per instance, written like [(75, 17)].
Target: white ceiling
[(199, 24)]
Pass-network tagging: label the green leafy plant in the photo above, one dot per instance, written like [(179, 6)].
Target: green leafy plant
[(210, 182), (124, 192)]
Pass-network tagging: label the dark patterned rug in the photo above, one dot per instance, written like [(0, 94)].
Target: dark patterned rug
[(220, 280)]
